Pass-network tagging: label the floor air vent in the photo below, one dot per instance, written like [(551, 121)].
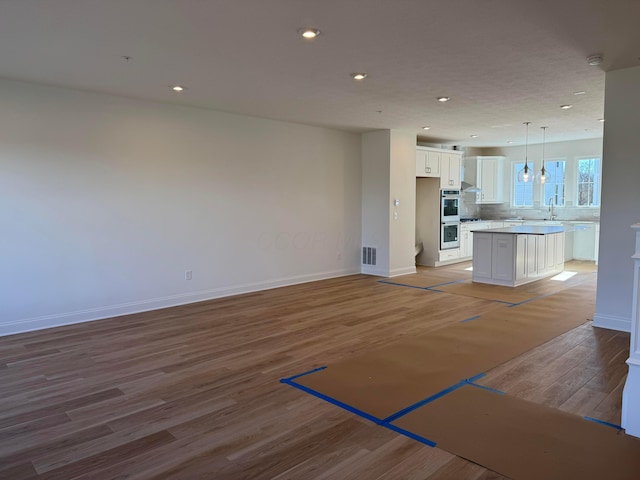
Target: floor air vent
[(368, 255)]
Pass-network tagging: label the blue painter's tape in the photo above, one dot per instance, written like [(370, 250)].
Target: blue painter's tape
[(475, 377), (447, 283), (471, 318), (419, 404), (530, 300), (412, 436), (284, 380), (402, 285), (333, 401), (506, 303), (602, 422), (489, 389)]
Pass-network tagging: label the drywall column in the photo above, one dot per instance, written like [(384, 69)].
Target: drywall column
[(630, 410), (388, 174), (620, 199)]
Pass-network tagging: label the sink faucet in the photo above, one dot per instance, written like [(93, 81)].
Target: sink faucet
[(552, 216)]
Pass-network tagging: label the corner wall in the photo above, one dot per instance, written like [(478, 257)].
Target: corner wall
[(620, 199), (106, 202)]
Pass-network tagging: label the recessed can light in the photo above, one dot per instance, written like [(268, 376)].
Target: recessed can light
[(426, 128), (594, 60), (359, 76), (579, 92), (601, 119), (444, 99), (474, 136), (178, 88), (509, 141), (565, 107), (308, 32)]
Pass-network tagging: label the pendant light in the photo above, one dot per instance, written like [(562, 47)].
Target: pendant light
[(544, 176), (526, 174)]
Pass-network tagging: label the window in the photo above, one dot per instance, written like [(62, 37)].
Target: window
[(522, 192), (589, 182), (554, 186)]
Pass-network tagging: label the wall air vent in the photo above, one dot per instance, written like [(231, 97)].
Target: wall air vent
[(368, 255)]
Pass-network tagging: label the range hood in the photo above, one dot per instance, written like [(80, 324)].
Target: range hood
[(468, 188)]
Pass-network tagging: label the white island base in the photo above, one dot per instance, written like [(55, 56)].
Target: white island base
[(514, 256)]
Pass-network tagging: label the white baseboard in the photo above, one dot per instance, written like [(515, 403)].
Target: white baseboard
[(373, 270), (612, 322), (69, 318), (402, 271)]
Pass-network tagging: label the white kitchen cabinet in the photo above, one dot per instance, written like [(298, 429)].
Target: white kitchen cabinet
[(427, 162), (486, 173), (466, 242), (449, 255), (450, 171), (584, 241), (482, 254), (510, 258)]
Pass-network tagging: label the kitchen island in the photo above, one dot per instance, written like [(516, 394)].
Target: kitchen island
[(513, 256)]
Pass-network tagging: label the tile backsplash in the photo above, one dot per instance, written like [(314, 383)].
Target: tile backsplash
[(504, 210)]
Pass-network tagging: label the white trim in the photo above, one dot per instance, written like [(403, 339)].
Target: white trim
[(402, 271), (69, 318), (612, 322), (374, 270)]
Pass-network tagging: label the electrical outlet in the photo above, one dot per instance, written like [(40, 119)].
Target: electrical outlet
[(188, 274)]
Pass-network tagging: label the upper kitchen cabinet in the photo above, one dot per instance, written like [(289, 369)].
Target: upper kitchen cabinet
[(487, 174), (427, 162), (450, 170)]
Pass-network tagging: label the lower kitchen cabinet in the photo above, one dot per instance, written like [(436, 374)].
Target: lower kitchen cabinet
[(511, 259)]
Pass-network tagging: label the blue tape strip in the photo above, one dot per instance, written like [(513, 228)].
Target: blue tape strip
[(507, 303), (402, 285), (282, 380), (419, 404), (475, 377), (446, 283), (483, 387), (412, 436), (530, 300), (333, 401), (470, 319), (602, 422)]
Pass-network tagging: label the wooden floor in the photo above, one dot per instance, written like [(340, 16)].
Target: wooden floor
[(193, 392)]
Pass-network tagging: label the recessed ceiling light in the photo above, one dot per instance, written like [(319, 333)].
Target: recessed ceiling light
[(601, 119), (426, 128), (579, 92), (308, 32), (178, 88), (509, 141), (474, 136), (359, 76), (444, 99), (594, 60), (565, 107)]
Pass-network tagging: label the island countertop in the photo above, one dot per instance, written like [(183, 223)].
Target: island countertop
[(525, 230)]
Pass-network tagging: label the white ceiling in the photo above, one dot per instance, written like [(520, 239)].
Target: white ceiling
[(502, 62)]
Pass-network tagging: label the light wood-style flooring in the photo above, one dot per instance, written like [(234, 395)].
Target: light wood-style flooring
[(193, 392)]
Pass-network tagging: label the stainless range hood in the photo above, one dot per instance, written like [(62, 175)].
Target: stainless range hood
[(468, 188)]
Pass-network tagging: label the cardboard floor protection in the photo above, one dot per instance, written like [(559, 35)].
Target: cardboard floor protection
[(384, 381), (524, 440), (488, 292)]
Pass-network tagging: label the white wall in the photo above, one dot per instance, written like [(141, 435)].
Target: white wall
[(620, 199), (105, 202), (375, 198), (388, 173), (403, 217)]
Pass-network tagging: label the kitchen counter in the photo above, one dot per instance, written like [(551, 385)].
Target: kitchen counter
[(526, 230), (512, 256)]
